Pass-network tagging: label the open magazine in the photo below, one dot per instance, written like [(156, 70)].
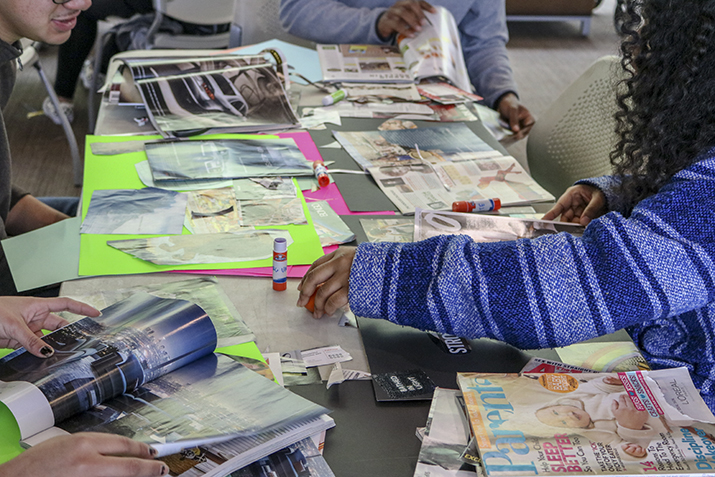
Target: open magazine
[(630, 423), (188, 96), (486, 228), (435, 52), (203, 291), (145, 369)]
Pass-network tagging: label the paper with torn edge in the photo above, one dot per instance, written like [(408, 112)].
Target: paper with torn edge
[(44, 256), (326, 355), (144, 172), (226, 159), (264, 188), (206, 248), (389, 230), (270, 212), (213, 211), (135, 211), (114, 148), (339, 375), (330, 227)]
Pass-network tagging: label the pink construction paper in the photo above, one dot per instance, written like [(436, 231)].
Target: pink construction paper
[(331, 194), (305, 144)]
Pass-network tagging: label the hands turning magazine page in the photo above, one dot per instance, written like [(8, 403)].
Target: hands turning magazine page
[(145, 369), (434, 53)]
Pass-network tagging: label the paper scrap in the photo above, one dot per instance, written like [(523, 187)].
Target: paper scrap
[(322, 356), (114, 148), (274, 362), (270, 212), (135, 211), (339, 375), (144, 172), (332, 145), (213, 211), (204, 248)]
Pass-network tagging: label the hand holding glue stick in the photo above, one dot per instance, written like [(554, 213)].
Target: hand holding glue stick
[(333, 98), (484, 205), (321, 173)]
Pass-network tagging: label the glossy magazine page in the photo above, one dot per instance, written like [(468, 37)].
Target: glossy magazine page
[(630, 423), (133, 342), (191, 95)]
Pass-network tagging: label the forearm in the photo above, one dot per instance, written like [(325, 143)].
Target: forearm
[(330, 21), (30, 214), (551, 291), (484, 36)]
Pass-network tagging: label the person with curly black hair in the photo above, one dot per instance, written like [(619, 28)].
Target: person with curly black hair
[(646, 261)]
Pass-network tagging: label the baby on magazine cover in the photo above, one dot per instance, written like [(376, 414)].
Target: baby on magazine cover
[(602, 411)]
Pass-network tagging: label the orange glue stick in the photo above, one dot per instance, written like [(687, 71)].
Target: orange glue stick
[(280, 264), (484, 205), (311, 301), (321, 173)]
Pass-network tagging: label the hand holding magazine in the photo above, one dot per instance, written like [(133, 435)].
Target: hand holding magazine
[(434, 53), (146, 370)]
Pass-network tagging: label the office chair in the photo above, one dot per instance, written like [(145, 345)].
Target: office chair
[(206, 12), (30, 57), (573, 139)]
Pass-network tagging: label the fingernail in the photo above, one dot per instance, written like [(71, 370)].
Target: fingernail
[(164, 469), (153, 451), (47, 351)]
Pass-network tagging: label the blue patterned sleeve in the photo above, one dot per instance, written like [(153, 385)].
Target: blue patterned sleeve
[(609, 186), (557, 289)]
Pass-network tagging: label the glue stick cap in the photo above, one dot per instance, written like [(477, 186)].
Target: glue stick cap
[(460, 206), (321, 173), (280, 245)]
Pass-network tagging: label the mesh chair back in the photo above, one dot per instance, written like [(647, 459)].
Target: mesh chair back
[(573, 139)]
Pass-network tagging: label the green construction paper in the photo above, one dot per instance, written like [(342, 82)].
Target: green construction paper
[(118, 172), (245, 350), (10, 435), (44, 256)]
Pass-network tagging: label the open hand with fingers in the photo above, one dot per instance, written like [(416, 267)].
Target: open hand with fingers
[(330, 276), (516, 115), (405, 17), (22, 320), (86, 454), (580, 204)]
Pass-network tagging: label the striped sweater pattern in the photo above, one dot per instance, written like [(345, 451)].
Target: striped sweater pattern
[(652, 273)]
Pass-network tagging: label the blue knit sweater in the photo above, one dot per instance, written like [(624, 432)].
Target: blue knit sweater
[(652, 273)]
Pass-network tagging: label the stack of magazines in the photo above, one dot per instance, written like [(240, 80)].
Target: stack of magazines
[(569, 424)]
